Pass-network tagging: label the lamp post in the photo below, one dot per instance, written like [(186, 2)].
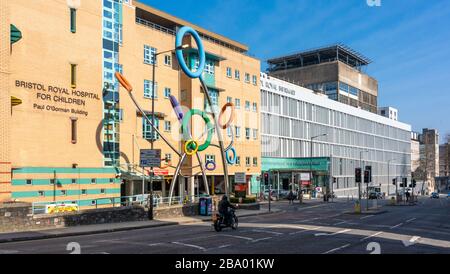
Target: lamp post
[(311, 156), (389, 176), (362, 176), (152, 140)]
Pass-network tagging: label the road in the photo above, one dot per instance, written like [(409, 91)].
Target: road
[(316, 228)]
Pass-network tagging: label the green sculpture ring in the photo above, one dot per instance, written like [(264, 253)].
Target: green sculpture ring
[(187, 135)]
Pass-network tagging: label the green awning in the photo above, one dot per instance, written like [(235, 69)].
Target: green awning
[(16, 34)]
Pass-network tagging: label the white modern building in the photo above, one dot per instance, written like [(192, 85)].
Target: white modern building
[(388, 112), (293, 117)]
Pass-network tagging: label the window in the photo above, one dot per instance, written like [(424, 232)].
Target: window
[(52, 181), (238, 160), (167, 126), (229, 131), (74, 181), (209, 67), (103, 191), (255, 80), (149, 55), (255, 107), (94, 202), (168, 157), (63, 192), (237, 103), (41, 193), (247, 105), (229, 72), (255, 134), (84, 192), (167, 60), (247, 161), (147, 129), (214, 94), (93, 181), (255, 161), (167, 92), (73, 20), (247, 133), (73, 75), (247, 78), (210, 158), (237, 75), (238, 132), (229, 99), (29, 182), (111, 180), (74, 129), (148, 86)]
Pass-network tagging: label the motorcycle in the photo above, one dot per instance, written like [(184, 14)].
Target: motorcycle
[(219, 221)]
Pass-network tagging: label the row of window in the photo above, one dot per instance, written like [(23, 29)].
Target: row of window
[(41, 193), (74, 181), (148, 90), (248, 107), (237, 76), (248, 160)]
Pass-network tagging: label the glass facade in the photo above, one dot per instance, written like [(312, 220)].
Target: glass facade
[(112, 35)]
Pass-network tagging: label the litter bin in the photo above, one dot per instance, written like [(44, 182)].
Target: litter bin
[(205, 206)]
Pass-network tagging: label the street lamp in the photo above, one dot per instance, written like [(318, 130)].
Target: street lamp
[(389, 177), (311, 156), (152, 140), (362, 176)]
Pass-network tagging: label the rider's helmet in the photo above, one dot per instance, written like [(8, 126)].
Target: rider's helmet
[(224, 198)]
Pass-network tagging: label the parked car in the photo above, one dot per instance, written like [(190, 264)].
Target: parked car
[(448, 195), (373, 196), (434, 195)]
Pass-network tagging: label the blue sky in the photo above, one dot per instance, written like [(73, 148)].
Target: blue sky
[(408, 40)]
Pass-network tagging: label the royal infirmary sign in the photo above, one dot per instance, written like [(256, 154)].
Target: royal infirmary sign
[(60, 95)]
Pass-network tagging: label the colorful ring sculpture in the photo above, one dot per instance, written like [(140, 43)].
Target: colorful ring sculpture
[(176, 107), (209, 164), (222, 112), (191, 147), (201, 52), (209, 125), (231, 161), (124, 82)]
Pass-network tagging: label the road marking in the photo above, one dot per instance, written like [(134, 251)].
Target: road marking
[(239, 237), (371, 236), (9, 251), (340, 223), (336, 249), (368, 216), (189, 245), (410, 220), (261, 239), (411, 242), (224, 246), (267, 231), (395, 226), (332, 234), (305, 230)]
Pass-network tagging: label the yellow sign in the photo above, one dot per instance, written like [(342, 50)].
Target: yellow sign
[(61, 208)]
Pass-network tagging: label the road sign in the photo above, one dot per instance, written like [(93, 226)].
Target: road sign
[(239, 177), (150, 158), (304, 176)]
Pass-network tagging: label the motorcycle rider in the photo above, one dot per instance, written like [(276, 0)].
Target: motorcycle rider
[(224, 204)]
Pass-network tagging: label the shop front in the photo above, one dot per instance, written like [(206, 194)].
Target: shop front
[(286, 174)]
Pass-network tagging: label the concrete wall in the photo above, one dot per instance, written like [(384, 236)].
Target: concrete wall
[(321, 73)]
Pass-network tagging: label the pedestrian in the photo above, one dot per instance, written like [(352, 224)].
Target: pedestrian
[(291, 197), (407, 195)]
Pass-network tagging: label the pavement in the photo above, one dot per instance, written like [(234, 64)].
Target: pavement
[(114, 227), (312, 228)]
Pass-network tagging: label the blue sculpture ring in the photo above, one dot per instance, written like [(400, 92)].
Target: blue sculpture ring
[(231, 160), (179, 52)]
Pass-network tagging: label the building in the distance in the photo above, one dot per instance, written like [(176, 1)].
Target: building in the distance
[(429, 156), (336, 71), (415, 151), (69, 132), (389, 112), (303, 131)]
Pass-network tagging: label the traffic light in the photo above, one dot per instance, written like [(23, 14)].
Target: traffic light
[(358, 175), (413, 185), (369, 178), (404, 182), (394, 181), (266, 178), (366, 176)]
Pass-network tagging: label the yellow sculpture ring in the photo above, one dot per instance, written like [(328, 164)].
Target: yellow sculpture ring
[(191, 147)]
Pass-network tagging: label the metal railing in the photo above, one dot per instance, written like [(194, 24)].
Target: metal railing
[(111, 202)]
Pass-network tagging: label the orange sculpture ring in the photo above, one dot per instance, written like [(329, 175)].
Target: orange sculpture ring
[(124, 82), (231, 105)]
